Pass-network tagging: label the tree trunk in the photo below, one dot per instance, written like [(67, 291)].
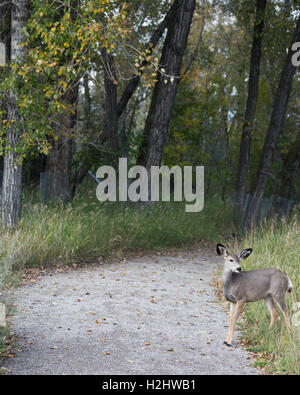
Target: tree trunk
[(12, 172), (165, 90), (290, 166), (111, 103), (250, 107), (274, 130), (58, 170), (87, 103), (5, 23)]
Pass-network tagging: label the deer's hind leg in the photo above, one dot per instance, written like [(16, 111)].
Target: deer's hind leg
[(281, 303), (273, 310)]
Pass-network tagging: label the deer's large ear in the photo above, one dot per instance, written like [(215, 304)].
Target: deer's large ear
[(221, 250), (245, 253)]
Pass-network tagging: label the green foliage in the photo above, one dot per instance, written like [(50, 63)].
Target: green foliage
[(63, 38)]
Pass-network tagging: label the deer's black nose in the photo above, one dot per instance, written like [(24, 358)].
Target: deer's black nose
[(239, 269)]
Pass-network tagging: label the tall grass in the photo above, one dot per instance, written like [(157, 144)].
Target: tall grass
[(87, 228), (274, 245)]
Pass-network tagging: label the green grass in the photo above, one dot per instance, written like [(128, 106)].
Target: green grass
[(274, 245)]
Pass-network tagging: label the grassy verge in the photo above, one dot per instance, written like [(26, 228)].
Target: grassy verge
[(274, 245)]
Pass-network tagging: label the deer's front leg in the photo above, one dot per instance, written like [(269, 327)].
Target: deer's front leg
[(234, 315), (231, 312)]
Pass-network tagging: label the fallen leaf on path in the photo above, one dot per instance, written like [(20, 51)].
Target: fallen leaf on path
[(128, 360)]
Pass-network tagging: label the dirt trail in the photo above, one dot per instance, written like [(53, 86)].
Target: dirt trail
[(149, 315)]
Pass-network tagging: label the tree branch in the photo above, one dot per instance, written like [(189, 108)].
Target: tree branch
[(133, 83)]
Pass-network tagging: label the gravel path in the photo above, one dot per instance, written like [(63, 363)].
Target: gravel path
[(148, 315)]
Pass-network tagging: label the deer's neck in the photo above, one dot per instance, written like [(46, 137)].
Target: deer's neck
[(227, 280), (226, 277)]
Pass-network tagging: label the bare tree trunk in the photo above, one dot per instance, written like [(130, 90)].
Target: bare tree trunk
[(250, 107), (275, 128), (111, 103), (83, 168), (58, 170), (12, 173), (87, 103), (165, 90), (5, 24)]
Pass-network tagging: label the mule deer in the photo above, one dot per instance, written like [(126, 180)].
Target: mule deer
[(241, 287)]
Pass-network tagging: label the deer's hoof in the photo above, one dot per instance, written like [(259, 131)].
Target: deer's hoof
[(228, 345)]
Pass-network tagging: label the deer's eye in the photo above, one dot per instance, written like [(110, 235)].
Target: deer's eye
[(231, 260)]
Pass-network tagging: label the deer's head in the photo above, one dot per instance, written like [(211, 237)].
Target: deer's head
[(233, 262)]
